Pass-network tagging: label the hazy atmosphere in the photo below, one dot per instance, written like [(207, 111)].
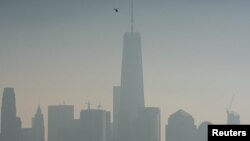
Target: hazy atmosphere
[(195, 54)]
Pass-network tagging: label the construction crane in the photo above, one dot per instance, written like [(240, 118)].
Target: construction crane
[(99, 106), (88, 104)]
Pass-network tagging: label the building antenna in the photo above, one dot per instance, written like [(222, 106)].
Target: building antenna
[(132, 15)]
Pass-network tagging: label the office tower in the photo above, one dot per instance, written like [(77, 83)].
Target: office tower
[(38, 125), (181, 127), (148, 124), (233, 118), (10, 124), (131, 90), (59, 117), (116, 103), (95, 125), (202, 131)]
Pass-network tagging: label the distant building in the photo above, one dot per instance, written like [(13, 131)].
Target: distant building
[(95, 125), (38, 125), (60, 117), (10, 124), (148, 124), (36, 133), (233, 118), (116, 103), (202, 131), (181, 127), (28, 134), (131, 87), (71, 133)]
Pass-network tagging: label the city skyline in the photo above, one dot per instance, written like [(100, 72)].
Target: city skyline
[(96, 124), (191, 53)]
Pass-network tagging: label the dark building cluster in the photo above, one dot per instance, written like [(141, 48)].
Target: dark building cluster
[(132, 121), (11, 129), (181, 127)]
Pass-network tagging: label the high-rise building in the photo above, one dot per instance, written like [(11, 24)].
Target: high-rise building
[(181, 127), (95, 125), (233, 117), (131, 88), (59, 117), (202, 131), (10, 124), (38, 125), (148, 124)]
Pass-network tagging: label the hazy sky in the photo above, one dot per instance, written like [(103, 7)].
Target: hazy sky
[(195, 54)]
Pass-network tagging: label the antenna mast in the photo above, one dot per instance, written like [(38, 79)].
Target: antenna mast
[(132, 15)]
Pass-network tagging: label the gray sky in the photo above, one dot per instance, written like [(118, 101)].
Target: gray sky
[(195, 54)]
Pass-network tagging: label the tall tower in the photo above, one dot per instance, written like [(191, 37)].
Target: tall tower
[(10, 124), (38, 125), (131, 91), (131, 88)]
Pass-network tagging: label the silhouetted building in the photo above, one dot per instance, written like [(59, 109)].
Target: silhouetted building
[(233, 118), (202, 131), (60, 117), (181, 127), (95, 125), (36, 133), (72, 133), (116, 103), (28, 134), (10, 124), (131, 90), (38, 125), (148, 124)]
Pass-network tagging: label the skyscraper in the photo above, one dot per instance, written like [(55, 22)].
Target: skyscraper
[(60, 117), (10, 124), (233, 117), (181, 127), (131, 88), (95, 125), (38, 125)]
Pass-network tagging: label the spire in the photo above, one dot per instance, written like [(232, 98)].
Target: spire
[(132, 15), (38, 125), (39, 110)]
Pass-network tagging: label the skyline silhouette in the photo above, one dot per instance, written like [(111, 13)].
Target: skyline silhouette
[(96, 124), (193, 53)]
